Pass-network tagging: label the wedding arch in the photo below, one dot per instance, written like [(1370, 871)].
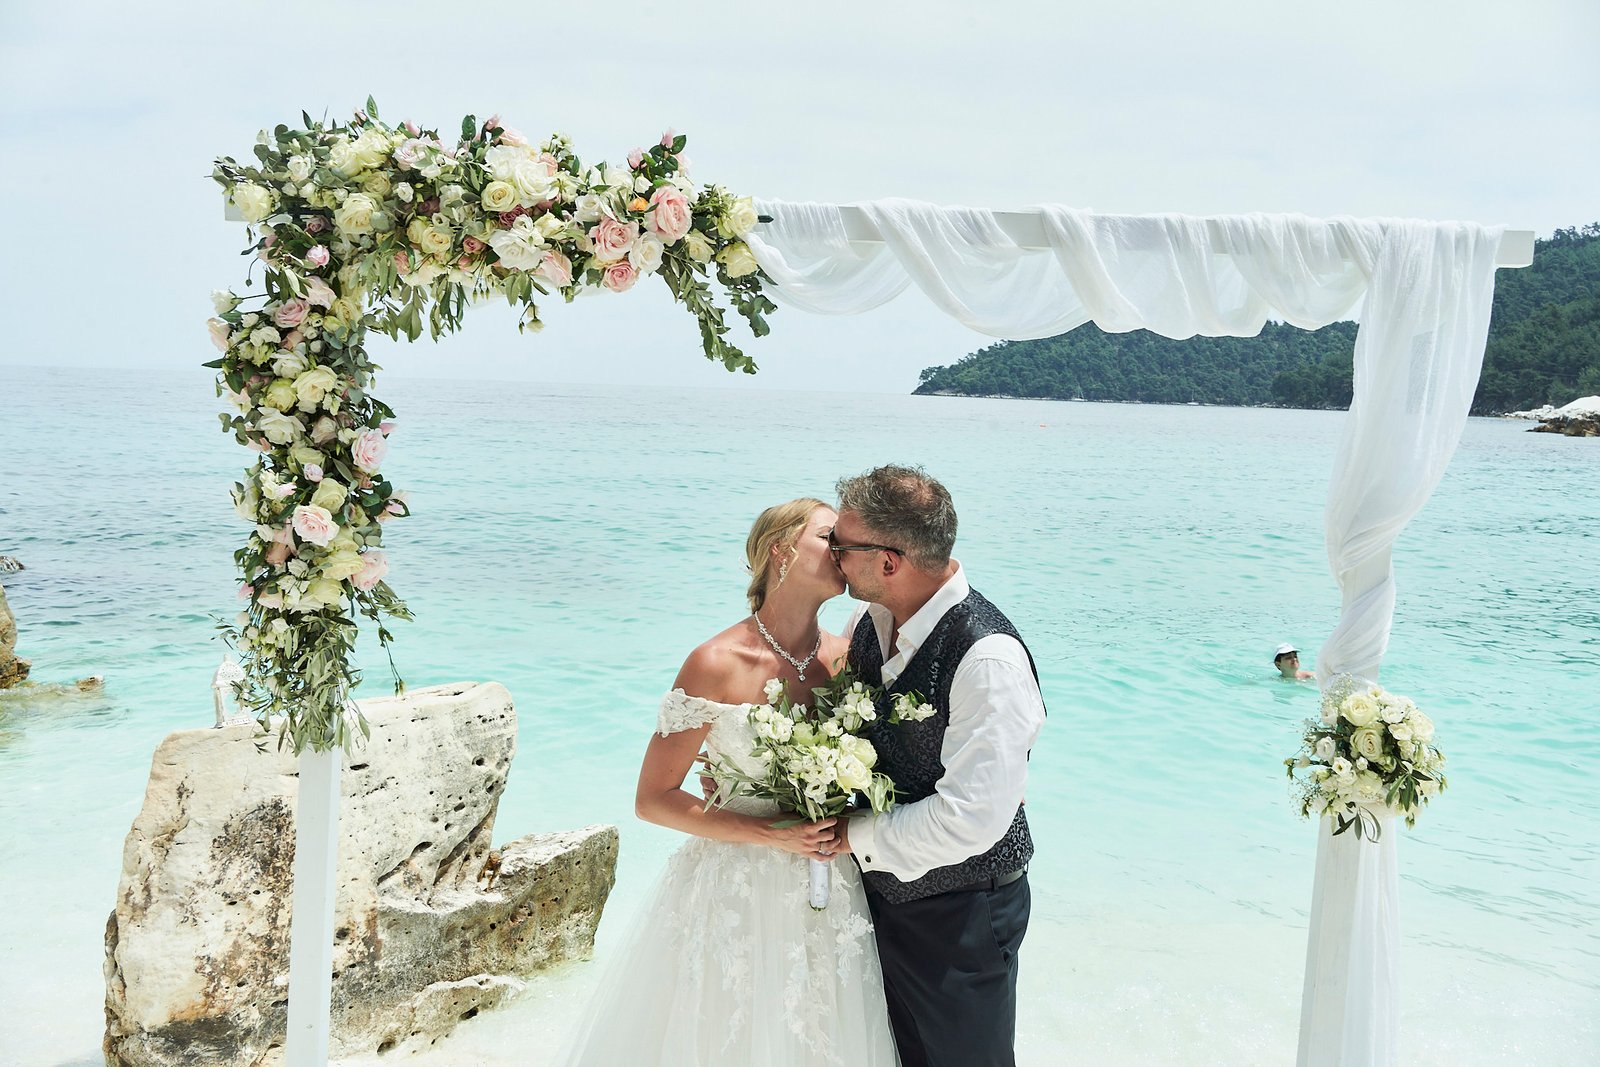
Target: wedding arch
[(367, 226)]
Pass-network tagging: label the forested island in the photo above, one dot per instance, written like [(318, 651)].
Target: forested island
[(1544, 348)]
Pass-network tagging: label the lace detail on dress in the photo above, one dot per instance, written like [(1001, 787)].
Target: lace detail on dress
[(680, 712)]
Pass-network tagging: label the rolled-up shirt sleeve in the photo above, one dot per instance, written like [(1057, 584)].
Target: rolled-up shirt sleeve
[(996, 713)]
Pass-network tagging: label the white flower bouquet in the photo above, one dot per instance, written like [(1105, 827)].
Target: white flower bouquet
[(1370, 752), (815, 760)]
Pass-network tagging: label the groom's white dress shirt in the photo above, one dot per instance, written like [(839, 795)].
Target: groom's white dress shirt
[(995, 715)]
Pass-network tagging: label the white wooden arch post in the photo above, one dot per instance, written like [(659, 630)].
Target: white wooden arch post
[(364, 226), (811, 270)]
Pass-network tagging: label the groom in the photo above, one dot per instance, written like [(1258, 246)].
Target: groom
[(946, 868)]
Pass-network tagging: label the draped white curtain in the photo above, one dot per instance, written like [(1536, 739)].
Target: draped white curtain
[(1428, 287)]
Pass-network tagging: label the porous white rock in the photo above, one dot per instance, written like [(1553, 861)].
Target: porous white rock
[(431, 924)]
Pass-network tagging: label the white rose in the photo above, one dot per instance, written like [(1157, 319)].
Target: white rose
[(1421, 726), (403, 192), (587, 208), (852, 774), (342, 158), (1400, 731), (354, 216), (1359, 709), (1341, 767), (371, 148), (1368, 741), (739, 218), (222, 301), (773, 690), (698, 246), (531, 178), (646, 253), (1325, 749), (253, 201), (300, 168), (499, 196), (501, 160), (279, 428), (739, 260)]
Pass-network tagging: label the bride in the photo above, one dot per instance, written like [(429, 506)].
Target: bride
[(728, 963)]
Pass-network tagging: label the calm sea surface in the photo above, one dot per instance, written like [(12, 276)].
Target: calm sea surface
[(574, 543)]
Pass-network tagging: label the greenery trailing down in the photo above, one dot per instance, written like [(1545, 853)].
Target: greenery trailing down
[(1544, 348)]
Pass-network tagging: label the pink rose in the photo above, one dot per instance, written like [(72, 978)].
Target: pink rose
[(472, 245), (550, 161), (246, 591), (376, 566), (316, 224), (635, 158), (508, 217), (315, 524), (613, 239), (317, 255), (369, 450), (411, 128), (277, 554), (429, 206), (290, 313), (259, 445), (668, 137), (512, 137), (402, 262), (670, 216), (313, 472), (386, 427), (292, 338), (319, 293), (219, 333), (556, 268), (271, 600), (409, 153), (619, 276)]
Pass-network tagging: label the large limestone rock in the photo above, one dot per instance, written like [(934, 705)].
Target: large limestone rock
[(13, 671), (431, 925)]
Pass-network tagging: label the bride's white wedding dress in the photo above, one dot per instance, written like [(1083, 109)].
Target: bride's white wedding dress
[(727, 963)]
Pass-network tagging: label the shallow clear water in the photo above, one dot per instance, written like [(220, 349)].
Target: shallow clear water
[(574, 542)]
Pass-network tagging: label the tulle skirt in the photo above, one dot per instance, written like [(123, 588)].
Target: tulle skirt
[(728, 964)]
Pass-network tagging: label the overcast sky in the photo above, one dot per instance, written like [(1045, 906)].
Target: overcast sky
[(111, 112)]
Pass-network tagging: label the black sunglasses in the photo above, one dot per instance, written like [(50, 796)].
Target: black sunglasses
[(836, 548)]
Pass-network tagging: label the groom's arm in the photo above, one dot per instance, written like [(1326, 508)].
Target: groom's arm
[(995, 716)]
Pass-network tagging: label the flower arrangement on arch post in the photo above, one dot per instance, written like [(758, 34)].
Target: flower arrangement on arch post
[(1371, 751), (366, 226)]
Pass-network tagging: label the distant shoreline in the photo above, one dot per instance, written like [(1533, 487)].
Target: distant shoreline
[(1520, 416)]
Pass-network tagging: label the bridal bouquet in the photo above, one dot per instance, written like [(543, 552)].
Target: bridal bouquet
[(814, 759), (1371, 750)]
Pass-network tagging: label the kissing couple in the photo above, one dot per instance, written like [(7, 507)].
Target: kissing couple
[(914, 962)]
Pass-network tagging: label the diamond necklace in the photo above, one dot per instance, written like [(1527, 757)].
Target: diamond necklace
[(799, 665)]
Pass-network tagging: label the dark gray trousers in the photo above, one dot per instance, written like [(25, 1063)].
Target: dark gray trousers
[(950, 974)]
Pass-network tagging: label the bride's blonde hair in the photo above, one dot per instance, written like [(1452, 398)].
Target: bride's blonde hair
[(782, 525)]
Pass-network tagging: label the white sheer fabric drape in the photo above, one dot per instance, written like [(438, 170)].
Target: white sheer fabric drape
[(1428, 287)]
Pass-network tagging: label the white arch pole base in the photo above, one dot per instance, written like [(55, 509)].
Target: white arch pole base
[(316, 856)]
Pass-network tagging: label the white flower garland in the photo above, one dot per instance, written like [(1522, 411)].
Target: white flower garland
[(370, 226)]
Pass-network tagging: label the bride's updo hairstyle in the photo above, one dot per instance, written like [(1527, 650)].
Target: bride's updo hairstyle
[(781, 525)]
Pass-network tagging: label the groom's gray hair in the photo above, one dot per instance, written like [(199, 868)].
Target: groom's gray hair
[(908, 508)]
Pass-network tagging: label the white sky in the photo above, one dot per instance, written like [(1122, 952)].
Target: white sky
[(111, 112)]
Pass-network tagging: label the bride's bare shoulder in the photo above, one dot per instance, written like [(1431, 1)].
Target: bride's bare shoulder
[(720, 668)]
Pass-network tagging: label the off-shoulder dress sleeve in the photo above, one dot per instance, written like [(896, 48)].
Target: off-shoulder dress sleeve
[(680, 712)]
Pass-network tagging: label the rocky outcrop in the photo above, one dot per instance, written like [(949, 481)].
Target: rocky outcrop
[(432, 925), (1581, 418), (13, 671)]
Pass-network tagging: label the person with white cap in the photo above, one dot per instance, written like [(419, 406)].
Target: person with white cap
[(1287, 660)]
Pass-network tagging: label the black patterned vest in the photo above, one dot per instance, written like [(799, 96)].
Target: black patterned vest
[(909, 752)]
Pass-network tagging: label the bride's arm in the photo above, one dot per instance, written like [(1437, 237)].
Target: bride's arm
[(661, 798)]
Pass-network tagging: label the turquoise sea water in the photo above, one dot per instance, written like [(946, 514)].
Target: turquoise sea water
[(573, 543)]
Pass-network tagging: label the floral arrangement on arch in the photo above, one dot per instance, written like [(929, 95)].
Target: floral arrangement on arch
[(369, 226), (1370, 752)]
